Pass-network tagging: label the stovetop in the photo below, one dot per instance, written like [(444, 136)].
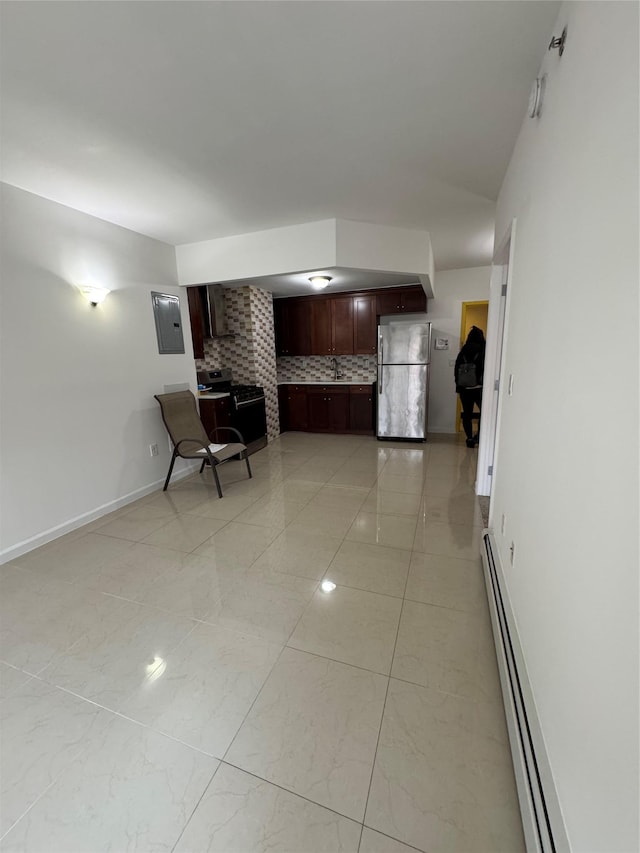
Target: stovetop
[(242, 393)]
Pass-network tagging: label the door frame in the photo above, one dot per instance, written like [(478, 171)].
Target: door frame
[(463, 323), (497, 324)]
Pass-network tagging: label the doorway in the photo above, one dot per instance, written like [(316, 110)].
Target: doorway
[(472, 314)]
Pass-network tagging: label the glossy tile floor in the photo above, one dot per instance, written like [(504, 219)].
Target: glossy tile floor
[(177, 676)]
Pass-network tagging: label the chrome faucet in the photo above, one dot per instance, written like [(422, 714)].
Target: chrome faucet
[(336, 370)]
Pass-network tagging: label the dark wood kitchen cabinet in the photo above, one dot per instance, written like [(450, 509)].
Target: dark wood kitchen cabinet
[(293, 407), (196, 319), (328, 407), (215, 413), (320, 321), (361, 409), (400, 300), (332, 325), (292, 327), (365, 325)]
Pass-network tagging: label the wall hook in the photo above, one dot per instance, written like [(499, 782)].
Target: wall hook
[(559, 42)]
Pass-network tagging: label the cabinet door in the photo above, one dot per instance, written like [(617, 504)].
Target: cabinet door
[(297, 415), (280, 326), (389, 302), (208, 415), (399, 300), (222, 408), (341, 325), (364, 325), (361, 409), (413, 299), (338, 410), (318, 407), (299, 328), (196, 319), (283, 407), (320, 316)]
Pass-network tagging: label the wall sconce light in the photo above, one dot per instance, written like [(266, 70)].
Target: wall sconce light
[(319, 282), (93, 294)]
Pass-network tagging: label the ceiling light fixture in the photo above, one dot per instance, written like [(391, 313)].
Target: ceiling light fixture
[(319, 282)]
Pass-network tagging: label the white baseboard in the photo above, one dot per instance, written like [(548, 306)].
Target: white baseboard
[(52, 533), (542, 820)]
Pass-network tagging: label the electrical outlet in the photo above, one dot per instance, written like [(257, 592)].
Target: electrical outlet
[(503, 523), (153, 450), (512, 552)]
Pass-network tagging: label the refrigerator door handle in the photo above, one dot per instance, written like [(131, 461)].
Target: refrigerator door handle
[(380, 379)]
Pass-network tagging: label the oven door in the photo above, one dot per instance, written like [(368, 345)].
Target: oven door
[(249, 417)]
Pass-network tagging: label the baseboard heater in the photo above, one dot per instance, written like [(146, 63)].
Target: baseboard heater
[(542, 822)]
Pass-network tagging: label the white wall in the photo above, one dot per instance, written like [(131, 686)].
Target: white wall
[(566, 473), (452, 288), (311, 245), (77, 382)]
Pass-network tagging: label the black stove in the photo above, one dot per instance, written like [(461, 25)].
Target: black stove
[(246, 393)]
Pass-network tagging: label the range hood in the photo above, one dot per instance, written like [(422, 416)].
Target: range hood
[(214, 311)]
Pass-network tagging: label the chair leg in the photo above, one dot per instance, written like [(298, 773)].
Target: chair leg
[(202, 467), (173, 460), (215, 477), (246, 459)]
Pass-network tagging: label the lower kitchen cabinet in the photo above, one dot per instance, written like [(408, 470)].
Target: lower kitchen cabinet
[(326, 408), (215, 413), (361, 409), (297, 411)]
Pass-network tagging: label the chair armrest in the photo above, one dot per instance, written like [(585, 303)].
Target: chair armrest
[(227, 429)]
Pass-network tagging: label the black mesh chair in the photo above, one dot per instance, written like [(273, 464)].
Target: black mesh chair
[(189, 437)]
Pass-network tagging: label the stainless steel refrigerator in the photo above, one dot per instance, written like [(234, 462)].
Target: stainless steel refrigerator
[(404, 353)]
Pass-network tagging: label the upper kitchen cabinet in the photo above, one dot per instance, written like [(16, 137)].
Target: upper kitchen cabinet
[(332, 325), (364, 324), (207, 315), (196, 317), (401, 300), (292, 327)]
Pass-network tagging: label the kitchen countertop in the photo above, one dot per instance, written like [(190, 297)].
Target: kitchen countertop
[(212, 395), (324, 382)]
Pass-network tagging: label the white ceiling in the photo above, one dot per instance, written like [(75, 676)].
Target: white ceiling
[(187, 121)]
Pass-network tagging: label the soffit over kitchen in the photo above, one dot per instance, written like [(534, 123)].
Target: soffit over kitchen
[(194, 121), (356, 255)]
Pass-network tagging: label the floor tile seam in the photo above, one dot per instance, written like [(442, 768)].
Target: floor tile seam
[(34, 803), (393, 838), (135, 541), (37, 674), (439, 606), (341, 662), (294, 793), (144, 604), (193, 811), (250, 708), (384, 708), (468, 699), (74, 757), (359, 588)]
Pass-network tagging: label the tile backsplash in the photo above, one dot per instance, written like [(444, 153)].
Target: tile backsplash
[(318, 368), (249, 350)]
